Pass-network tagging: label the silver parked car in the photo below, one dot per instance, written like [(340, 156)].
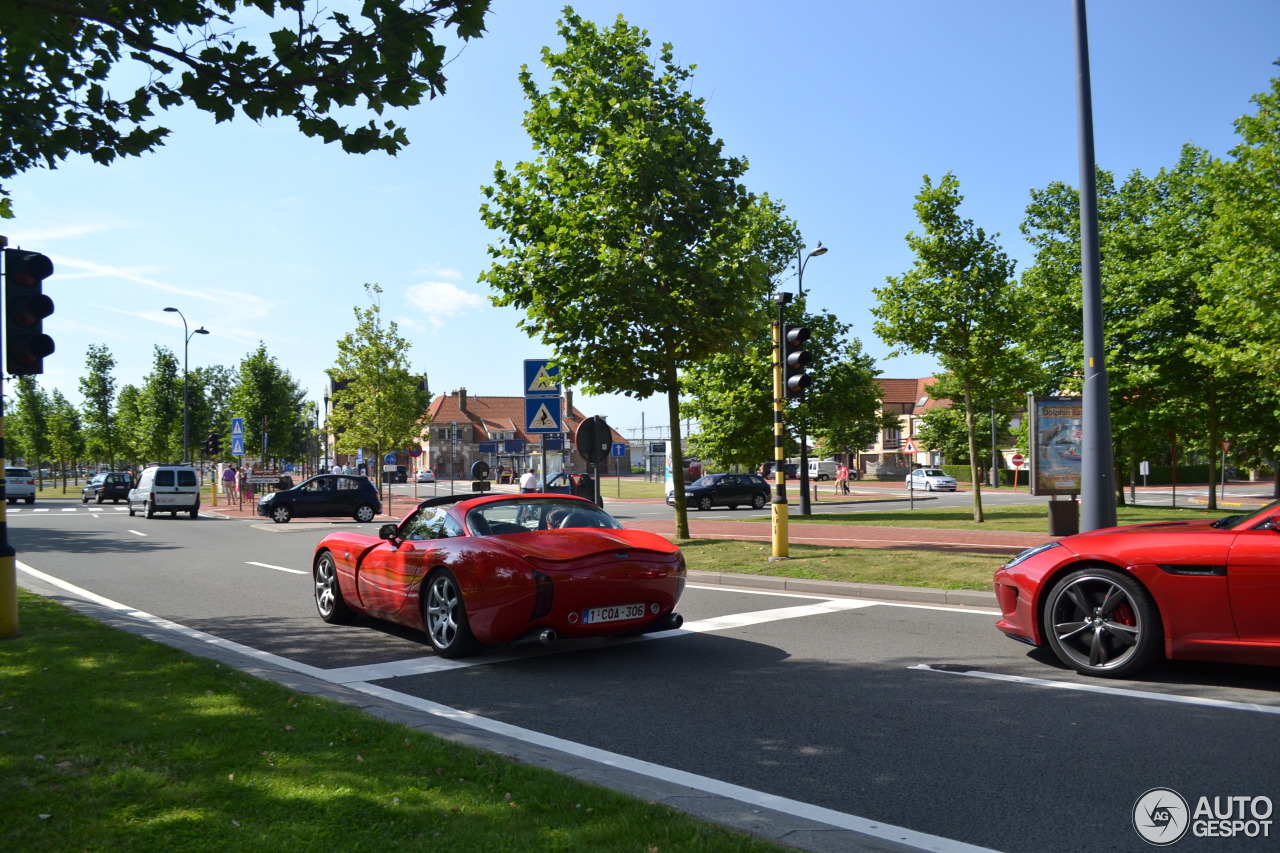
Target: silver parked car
[(19, 485), (930, 480)]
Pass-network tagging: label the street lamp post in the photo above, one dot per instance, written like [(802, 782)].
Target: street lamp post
[(186, 345), (802, 261)]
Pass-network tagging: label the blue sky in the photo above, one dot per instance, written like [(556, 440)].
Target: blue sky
[(260, 234)]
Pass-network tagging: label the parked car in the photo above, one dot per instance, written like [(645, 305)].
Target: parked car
[(323, 495), (731, 490), (1109, 602), (495, 569), (930, 480), (111, 486), (19, 485), (823, 469), (166, 488), (426, 475), (790, 470)]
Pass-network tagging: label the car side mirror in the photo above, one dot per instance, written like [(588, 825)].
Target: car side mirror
[(1273, 523), (388, 532)]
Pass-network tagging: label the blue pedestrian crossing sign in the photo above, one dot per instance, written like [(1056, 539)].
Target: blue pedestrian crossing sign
[(541, 380), (542, 414), (237, 445)]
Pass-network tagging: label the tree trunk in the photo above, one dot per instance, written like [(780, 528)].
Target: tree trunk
[(1214, 449), (677, 451), (973, 453)]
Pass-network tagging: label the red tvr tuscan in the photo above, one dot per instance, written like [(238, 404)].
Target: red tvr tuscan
[(478, 571), (1109, 602)]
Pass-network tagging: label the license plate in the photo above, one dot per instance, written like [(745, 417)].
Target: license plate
[(612, 614)]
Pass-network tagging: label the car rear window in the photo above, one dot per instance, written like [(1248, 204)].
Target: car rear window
[(17, 472), (187, 478)]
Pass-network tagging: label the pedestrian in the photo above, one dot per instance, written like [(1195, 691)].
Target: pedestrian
[(841, 474), (529, 481), (336, 469), (229, 480)]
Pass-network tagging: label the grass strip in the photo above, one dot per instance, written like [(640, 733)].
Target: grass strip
[(109, 741), (902, 566)]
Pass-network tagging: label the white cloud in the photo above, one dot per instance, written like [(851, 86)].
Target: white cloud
[(440, 299)]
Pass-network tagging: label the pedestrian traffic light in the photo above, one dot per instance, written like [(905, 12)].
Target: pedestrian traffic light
[(794, 360), (26, 306)]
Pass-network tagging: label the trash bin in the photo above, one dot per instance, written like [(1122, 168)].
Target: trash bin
[(1064, 518)]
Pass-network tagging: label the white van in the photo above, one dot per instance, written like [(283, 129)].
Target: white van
[(166, 488), (823, 469)]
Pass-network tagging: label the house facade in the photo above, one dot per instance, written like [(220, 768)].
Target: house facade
[(890, 455)]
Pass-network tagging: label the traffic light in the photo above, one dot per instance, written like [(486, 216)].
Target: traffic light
[(794, 360), (213, 445), (26, 306)]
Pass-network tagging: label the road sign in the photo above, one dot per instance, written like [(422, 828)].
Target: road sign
[(415, 452), (539, 379), (1017, 459), (619, 449), (594, 439), (237, 427), (488, 447), (550, 443), (389, 459), (1227, 444), (237, 445), (909, 446), (542, 414)]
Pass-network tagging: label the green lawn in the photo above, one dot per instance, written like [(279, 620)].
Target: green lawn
[(114, 742)]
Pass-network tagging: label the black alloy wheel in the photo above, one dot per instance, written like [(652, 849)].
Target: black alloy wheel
[(1100, 621)]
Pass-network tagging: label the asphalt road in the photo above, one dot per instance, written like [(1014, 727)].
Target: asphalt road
[(840, 712)]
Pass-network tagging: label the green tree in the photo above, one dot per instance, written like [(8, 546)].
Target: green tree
[(159, 436), (1153, 235), (29, 423), (957, 303), (56, 60), (379, 403), (270, 401), (629, 241), (98, 390), (730, 395), (130, 434), (65, 440)]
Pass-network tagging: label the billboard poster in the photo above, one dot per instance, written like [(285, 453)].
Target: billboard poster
[(1055, 444)]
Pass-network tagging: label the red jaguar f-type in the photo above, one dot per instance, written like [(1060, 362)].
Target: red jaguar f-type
[(475, 571), (1109, 602)]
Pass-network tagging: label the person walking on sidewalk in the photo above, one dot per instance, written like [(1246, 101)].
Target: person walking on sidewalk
[(529, 481), (229, 481)]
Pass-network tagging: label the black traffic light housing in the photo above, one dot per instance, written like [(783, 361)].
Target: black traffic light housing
[(26, 306), (794, 361), (213, 444)]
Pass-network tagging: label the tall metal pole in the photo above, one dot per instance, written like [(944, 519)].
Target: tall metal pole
[(1097, 492), (186, 345)]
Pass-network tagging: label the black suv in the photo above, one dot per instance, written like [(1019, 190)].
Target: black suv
[(731, 490), (324, 495), (112, 486)]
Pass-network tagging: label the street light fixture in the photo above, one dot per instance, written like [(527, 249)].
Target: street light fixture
[(186, 342), (802, 261)]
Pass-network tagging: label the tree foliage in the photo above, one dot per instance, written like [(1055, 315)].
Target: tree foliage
[(957, 302), (98, 390), (271, 403), (58, 58), (26, 429), (159, 423), (378, 403), (629, 241), (731, 395), (65, 439)]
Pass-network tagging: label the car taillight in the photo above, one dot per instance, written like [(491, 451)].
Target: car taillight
[(544, 595)]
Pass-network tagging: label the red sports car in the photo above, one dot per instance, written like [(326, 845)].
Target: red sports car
[(1109, 602), (474, 571)]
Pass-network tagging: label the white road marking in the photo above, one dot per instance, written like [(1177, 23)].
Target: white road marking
[(1108, 691), (72, 509), (46, 509), (276, 568), (876, 829), (137, 532)]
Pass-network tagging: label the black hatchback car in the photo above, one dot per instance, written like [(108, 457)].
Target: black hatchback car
[(324, 495), (731, 490), (111, 486)]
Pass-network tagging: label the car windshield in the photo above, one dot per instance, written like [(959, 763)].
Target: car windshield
[(526, 515), (707, 482), (932, 472)]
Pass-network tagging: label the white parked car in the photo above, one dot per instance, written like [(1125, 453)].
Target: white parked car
[(426, 475), (19, 485), (930, 480)]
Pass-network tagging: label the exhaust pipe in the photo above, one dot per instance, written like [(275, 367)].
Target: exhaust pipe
[(536, 637), (547, 637)]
